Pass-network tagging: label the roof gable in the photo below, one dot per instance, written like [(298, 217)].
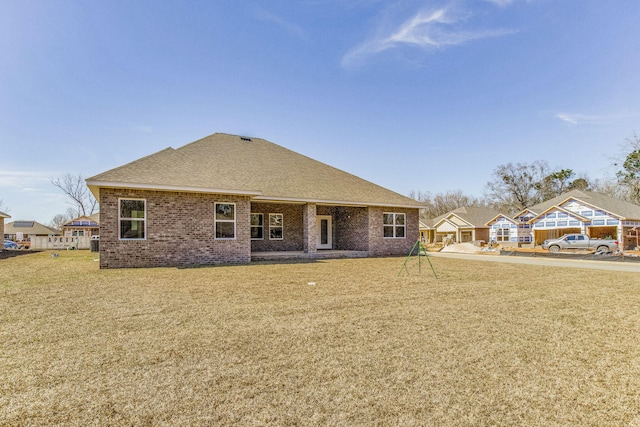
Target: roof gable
[(499, 218), (82, 221), (556, 209), (230, 164)]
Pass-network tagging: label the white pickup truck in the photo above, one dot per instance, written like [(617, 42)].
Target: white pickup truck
[(580, 241)]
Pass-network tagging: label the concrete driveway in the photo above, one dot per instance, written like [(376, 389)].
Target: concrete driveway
[(578, 263)]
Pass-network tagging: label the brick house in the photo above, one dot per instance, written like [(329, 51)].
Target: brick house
[(228, 199), (464, 224), (2, 217)]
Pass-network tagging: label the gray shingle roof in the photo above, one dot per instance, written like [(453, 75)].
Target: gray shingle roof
[(476, 216), (230, 164), (28, 228)]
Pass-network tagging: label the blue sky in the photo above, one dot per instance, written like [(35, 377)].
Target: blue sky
[(424, 96)]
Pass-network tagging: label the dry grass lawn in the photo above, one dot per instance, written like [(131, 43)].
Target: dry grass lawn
[(485, 344)]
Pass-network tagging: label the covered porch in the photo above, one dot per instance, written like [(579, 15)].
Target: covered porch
[(302, 255), (308, 230)]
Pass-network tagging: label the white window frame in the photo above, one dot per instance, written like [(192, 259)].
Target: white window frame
[(120, 219), (500, 234), (395, 225), (226, 221), (261, 226), (272, 227)]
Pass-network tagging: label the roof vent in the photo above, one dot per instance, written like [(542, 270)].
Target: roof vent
[(244, 138)]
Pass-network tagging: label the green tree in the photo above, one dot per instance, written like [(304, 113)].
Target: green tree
[(629, 175), (555, 184)]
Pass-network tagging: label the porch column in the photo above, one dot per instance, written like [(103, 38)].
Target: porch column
[(309, 228)]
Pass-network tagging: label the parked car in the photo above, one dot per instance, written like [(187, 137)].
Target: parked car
[(580, 241), (23, 244), (8, 244)]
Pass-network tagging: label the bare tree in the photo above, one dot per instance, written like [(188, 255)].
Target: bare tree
[(517, 186), (442, 203), (75, 187), (61, 219), (3, 208), (611, 188)]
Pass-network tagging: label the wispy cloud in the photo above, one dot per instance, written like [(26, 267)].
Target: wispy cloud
[(501, 3), (426, 29), (594, 119)]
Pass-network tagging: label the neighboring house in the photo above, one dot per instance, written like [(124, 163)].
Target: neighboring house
[(2, 218), (426, 232), (25, 231), (83, 226), (226, 198), (464, 224), (511, 231), (587, 212), (576, 211)]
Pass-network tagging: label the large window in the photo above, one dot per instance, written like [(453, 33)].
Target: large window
[(502, 234), (133, 219), (225, 221), (394, 225), (257, 226), (275, 227)]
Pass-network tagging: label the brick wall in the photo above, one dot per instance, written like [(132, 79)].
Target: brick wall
[(292, 232), (180, 231), (381, 246), (351, 231)]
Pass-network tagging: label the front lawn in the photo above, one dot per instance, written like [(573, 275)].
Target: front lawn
[(339, 342)]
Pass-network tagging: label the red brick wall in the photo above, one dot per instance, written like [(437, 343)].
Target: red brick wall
[(180, 231), (351, 230), (380, 246), (292, 233)]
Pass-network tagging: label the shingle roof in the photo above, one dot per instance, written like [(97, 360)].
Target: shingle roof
[(230, 164), (4, 215), (476, 216), (29, 227), (618, 207)]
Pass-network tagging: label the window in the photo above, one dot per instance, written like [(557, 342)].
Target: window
[(502, 235), (225, 221), (76, 233), (133, 219), (275, 226), (257, 226), (393, 225)]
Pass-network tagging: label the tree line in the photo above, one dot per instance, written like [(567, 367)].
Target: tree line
[(512, 188), (517, 186)]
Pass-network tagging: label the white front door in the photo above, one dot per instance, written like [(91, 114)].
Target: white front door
[(323, 227)]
